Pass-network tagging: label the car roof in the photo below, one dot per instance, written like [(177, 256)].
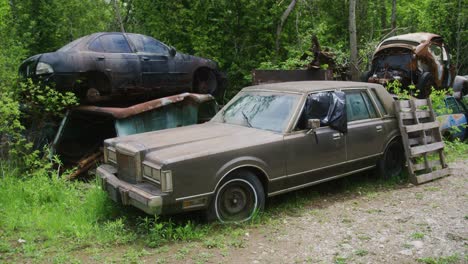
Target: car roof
[(309, 86), (418, 37)]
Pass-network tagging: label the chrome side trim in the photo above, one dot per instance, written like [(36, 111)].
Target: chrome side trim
[(193, 196), (326, 167), (319, 181)]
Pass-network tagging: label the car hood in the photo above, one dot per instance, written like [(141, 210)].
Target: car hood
[(173, 145)]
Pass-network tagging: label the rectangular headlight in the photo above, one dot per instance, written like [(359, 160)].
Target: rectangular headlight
[(152, 173)]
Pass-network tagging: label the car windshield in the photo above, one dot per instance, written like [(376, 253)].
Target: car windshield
[(71, 45), (262, 110), (393, 61)]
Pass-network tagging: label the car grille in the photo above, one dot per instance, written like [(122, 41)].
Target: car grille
[(126, 167)]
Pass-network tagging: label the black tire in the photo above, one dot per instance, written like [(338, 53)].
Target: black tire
[(205, 82), (393, 160), (237, 198), (425, 82)]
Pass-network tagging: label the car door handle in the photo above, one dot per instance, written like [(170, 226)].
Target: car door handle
[(378, 128), (100, 58), (145, 58), (336, 136)]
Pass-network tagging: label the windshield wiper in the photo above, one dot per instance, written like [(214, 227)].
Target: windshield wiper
[(246, 119)]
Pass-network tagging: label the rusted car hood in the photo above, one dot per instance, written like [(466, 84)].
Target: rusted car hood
[(173, 145)]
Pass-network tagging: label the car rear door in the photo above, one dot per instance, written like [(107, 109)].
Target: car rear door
[(154, 59), (366, 130)]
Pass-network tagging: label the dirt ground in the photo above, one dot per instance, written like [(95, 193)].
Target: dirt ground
[(411, 224)]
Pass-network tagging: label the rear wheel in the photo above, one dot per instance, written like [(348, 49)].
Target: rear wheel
[(238, 198), (393, 160), (205, 81)]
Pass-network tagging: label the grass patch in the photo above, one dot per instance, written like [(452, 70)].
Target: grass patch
[(455, 150), (440, 260), (417, 235), (361, 252)]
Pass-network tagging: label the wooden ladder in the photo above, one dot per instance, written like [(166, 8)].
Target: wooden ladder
[(422, 140)]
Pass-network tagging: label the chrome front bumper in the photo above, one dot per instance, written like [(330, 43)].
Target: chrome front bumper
[(126, 193)]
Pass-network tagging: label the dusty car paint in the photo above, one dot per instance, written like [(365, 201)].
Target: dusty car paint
[(83, 129), (160, 171), (114, 66)]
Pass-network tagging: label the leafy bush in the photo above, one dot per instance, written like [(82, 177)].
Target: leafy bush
[(158, 232)]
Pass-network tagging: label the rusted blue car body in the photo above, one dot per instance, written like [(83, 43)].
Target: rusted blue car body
[(453, 124), (79, 138)]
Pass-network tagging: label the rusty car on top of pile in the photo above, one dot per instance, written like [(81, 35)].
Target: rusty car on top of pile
[(268, 140), (420, 59)]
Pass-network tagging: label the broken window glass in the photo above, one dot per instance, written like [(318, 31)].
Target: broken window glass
[(329, 107)]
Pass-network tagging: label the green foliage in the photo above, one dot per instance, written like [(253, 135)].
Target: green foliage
[(159, 232), (456, 149), (43, 100), (440, 260), (44, 207), (395, 87)]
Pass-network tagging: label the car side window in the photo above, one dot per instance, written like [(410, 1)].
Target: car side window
[(147, 44), (328, 107), (111, 43), (358, 106), (96, 45), (378, 102)]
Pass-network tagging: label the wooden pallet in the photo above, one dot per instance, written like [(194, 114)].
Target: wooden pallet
[(422, 140)]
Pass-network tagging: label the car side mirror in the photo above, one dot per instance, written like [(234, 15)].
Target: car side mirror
[(172, 51), (312, 125)]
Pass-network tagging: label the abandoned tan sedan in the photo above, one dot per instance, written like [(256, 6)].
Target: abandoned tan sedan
[(268, 140)]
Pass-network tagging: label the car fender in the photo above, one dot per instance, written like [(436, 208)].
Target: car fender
[(239, 163)]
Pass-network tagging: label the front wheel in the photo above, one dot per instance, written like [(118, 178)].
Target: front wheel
[(393, 160), (238, 198)]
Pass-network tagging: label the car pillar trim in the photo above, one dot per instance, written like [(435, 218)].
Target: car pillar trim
[(326, 167), (319, 181)]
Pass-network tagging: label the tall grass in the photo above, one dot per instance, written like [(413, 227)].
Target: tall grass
[(42, 208)]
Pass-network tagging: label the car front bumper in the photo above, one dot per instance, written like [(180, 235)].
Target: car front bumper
[(126, 193)]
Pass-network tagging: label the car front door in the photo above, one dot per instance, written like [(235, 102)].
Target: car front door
[(115, 58), (313, 157), (154, 58), (366, 130)]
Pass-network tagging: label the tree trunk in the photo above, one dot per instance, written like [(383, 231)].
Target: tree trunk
[(383, 14), (394, 16), (119, 17), (282, 21), (459, 29), (353, 42)]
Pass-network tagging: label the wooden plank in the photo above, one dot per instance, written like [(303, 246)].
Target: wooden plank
[(404, 138), (430, 176), (432, 164), (426, 148), (419, 140), (419, 114), (422, 126)]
